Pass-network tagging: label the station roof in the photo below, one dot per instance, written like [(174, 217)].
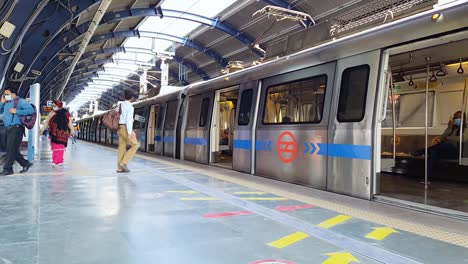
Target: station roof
[(202, 37)]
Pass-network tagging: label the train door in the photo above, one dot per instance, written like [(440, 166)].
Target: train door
[(243, 127), (158, 132), (351, 125), (139, 125), (423, 138), (152, 128), (292, 125), (179, 126), (197, 127), (169, 128), (222, 126)]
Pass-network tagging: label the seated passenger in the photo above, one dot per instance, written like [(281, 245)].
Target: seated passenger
[(224, 138), (449, 146)]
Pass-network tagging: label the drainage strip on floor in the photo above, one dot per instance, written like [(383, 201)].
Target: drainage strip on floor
[(346, 243)]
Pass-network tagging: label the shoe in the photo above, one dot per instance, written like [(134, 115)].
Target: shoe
[(26, 168), (120, 171), (124, 167), (6, 172)]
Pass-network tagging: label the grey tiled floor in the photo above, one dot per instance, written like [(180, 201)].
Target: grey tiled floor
[(84, 212)]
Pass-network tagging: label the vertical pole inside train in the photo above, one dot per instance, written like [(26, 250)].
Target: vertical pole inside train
[(464, 104), (425, 124), (392, 94)]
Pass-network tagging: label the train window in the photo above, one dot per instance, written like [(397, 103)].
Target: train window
[(245, 107), (204, 112), (160, 115), (409, 110), (193, 112), (353, 94), (140, 119), (296, 102), (171, 115)]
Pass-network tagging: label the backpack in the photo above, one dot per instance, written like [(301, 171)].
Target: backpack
[(27, 120), (111, 119)]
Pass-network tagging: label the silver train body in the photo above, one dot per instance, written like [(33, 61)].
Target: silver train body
[(337, 152)]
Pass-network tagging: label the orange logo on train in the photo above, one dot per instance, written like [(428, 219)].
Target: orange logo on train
[(286, 147)]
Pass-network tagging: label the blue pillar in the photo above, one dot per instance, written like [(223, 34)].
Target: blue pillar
[(33, 134)]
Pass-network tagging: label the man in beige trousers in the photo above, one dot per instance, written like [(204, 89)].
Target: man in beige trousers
[(126, 135)]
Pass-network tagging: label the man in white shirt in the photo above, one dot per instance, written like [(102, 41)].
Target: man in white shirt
[(126, 135)]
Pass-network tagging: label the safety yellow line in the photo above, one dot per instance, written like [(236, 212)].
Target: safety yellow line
[(259, 193), (334, 221), (184, 192), (198, 199), (264, 198), (288, 240)]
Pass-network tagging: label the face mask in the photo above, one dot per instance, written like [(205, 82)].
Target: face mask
[(457, 121), (55, 108), (8, 97)]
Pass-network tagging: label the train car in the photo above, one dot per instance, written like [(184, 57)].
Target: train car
[(337, 116)]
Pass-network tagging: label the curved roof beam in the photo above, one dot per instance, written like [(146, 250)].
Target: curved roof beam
[(61, 43), (47, 28), (214, 23), (23, 16), (85, 65), (193, 67), (83, 73)]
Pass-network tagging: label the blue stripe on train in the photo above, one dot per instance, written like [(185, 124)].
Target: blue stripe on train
[(195, 141), (242, 144), (169, 139), (157, 138), (348, 151)]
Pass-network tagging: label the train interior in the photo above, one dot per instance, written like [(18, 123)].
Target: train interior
[(150, 139), (222, 128), (434, 77)]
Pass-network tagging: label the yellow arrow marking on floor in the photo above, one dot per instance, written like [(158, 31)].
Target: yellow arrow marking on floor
[(380, 233), (288, 240), (259, 193), (184, 192), (198, 199), (340, 258), (334, 221), (264, 198)]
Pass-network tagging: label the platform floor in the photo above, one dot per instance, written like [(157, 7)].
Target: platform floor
[(179, 212)]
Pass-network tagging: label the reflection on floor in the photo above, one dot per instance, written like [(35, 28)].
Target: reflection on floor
[(441, 194)]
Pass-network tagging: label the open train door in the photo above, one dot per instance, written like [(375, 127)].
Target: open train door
[(351, 125)]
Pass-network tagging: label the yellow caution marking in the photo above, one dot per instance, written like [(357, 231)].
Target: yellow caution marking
[(340, 258), (380, 233), (288, 240), (334, 221), (252, 193), (264, 198), (198, 199), (184, 192)]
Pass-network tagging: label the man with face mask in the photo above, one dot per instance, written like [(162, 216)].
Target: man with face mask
[(15, 130), (449, 145)]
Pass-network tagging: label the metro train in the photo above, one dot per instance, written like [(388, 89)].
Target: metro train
[(312, 118)]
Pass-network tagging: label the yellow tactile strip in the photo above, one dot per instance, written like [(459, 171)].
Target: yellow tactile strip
[(411, 227)]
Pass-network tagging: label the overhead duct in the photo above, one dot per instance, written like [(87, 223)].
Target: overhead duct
[(84, 43)]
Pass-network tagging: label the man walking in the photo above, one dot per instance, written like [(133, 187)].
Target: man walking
[(126, 135), (15, 130)]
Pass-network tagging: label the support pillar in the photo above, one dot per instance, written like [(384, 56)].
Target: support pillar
[(33, 134)]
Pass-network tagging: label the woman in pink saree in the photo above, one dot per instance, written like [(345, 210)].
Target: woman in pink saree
[(60, 127)]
